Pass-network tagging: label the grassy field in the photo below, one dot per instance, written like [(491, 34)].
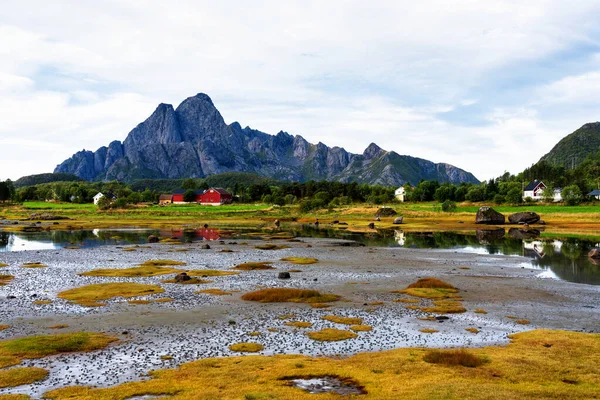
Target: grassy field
[(560, 219)]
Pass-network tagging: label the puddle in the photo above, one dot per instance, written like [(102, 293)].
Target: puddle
[(327, 384)]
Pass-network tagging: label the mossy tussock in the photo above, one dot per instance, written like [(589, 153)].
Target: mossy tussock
[(210, 272), (342, 320), (572, 356), (430, 288), (2, 265), (92, 295), (271, 246), (21, 376), (246, 347), (134, 272), (252, 266), (33, 265), (215, 292), (5, 279), (191, 281), (299, 324), (161, 263), (282, 295), (331, 335), (300, 260)]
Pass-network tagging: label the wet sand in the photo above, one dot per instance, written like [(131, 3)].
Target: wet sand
[(195, 326)]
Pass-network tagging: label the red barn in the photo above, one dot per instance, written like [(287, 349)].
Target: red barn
[(216, 197), (179, 193)]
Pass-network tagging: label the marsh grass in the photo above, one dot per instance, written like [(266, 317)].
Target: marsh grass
[(14, 397), (4, 326), (331, 335), (33, 265), (215, 292), (192, 281), (445, 307), (271, 246), (428, 330), (210, 272), (282, 295), (4, 279), (300, 260), (142, 271), (3, 265), (430, 288), (472, 330), (459, 357), (32, 347), (246, 347), (21, 376), (361, 328), (252, 266), (522, 321), (407, 301), (138, 302), (163, 300), (299, 324), (58, 326), (42, 302), (342, 320), (480, 311), (91, 295), (320, 305)]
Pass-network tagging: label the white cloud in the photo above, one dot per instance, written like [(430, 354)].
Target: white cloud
[(81, 74)]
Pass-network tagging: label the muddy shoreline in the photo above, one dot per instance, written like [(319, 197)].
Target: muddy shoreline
[(195, 326)]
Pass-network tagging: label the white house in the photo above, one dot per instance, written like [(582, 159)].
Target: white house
[(595, 194), (399, 193), (534, 190), (97, 197)]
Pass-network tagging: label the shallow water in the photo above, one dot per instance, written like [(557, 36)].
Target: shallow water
[(557, 259)]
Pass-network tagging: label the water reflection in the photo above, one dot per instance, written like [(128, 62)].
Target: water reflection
[(560, 259)]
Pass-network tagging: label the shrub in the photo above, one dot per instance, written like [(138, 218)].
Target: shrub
[(499, 199), (453, 357), (514, 196), (572, 195), (448, 206)]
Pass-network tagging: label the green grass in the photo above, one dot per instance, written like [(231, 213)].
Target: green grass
[(505, 209), (42, 205)]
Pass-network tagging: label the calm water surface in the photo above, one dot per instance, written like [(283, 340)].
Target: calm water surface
[(559, 259)]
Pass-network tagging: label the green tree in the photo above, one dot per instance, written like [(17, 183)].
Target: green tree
[(189, 196), (548, 193), (514, 196), (572, 195), (475, 193), (189, 183)]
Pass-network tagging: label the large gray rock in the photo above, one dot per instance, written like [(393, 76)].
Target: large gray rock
[(487, 215), (518, 233), (526, 217), (398, 220), (194, 141)]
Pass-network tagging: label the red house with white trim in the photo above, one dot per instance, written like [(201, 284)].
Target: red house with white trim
[(216, 197)]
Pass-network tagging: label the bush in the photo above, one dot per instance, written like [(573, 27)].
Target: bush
[(499, 199), (572, 195), (514, 196), (448, 206), (528, 199)]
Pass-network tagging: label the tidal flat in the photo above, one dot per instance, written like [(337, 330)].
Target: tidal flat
[(502, 295)]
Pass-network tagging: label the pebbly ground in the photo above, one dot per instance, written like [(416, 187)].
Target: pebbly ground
[(195, 326)]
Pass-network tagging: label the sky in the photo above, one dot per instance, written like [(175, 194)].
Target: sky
[(488, 86)]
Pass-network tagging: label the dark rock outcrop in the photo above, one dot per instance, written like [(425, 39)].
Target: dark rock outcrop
[(194, 141), (182, 277), (153, 239), (284, 275), (487, 215), (526, 217)]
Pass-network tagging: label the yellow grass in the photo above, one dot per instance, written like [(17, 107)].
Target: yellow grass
[(331, 335), (286, 316), (14, 397), (251, 266), (163, 300), (459, 357), (300, 260), (210, 272), (522, 321), (246, 347), (216, 292), (299, 324), (30, 347), (320, 305), (33, 265), (91, 295), (271, 246), (361, 328), (407, 301), (21, 376), (445, 307), (166, 357), (192, 281), (282, 295), (136, 302), (3, 327), (4, 279), (472, 330), (148, 270), (58, 326), (428, 330), (3, 264), (480, 311), (430, 288), (342, 320), (161, 263), (255, 333), (513, 372), (42, 302)]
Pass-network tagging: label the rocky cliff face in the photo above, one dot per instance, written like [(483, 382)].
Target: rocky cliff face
[(194, 141)]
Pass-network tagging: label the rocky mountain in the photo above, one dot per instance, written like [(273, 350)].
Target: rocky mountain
[(573, 149), (193, 141)]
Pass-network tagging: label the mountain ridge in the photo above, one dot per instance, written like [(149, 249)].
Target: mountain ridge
[(574, 148), (193, 141)]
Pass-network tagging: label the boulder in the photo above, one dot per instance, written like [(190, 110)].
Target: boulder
[(487, 215), (205, 247), (385, 212), (517, 233), (594, 254), (372, 225), (526, 217), (153, 239), (487, 236), (398, 220), (182, 277), (284, 275)]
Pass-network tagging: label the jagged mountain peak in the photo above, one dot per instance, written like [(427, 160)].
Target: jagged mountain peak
[(193, 140)]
